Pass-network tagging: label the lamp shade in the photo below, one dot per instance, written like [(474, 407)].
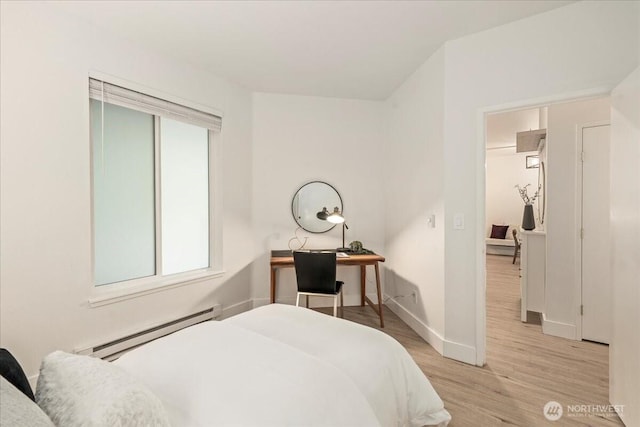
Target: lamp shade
[(335, 217)]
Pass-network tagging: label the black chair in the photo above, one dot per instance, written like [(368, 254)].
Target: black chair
[(316, 276)]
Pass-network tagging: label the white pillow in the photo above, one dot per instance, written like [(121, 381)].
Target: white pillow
[(84, 391), (18, 410)]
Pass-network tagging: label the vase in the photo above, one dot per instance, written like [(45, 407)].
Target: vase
[(528, 221)]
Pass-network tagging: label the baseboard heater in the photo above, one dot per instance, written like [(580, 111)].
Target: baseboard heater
[(113, 349)]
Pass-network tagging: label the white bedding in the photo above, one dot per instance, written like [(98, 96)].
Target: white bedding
[(280, 365)]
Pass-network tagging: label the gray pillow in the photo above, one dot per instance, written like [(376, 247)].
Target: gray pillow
[(18, 410), (84, 391)]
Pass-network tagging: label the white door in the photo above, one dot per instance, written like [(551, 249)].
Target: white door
[(596, 286)]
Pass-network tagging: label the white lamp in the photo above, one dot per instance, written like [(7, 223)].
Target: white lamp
[(336, 218)]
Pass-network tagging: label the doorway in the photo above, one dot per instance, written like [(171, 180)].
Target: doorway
[(574, 203), (557, 295)]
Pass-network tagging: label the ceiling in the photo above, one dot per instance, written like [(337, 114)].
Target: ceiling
[(345, 49)]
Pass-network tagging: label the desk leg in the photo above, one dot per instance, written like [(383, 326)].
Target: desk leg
[(273, 285), (377, 307), (379, 295), (363, 281)]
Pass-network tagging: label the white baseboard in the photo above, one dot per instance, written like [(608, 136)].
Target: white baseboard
[(460, 352), (237, 308), (427, 333), (452, 350), (558, 329)]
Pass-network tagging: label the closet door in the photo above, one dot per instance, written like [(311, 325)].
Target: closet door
[(596, 286)]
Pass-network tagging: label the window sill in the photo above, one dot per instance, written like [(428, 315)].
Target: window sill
[(110, 294)]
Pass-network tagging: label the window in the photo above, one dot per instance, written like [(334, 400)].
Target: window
[(153, 205)]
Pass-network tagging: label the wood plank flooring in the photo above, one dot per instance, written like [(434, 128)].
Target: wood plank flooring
[(525, 369)]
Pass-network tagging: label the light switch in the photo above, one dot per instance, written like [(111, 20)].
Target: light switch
[(458, 221), (431, 220)]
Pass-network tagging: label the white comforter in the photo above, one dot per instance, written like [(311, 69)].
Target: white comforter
[(280, 365)]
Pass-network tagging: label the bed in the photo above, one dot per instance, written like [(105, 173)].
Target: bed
[(280, 365), (276, 365)]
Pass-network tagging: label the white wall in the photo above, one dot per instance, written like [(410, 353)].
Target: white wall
[(563, 216), (46, 265), (297, 139), (580, 48), (624, 350), (413, 192), (505, 169)]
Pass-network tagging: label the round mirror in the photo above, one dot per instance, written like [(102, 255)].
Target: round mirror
[(310, 199)]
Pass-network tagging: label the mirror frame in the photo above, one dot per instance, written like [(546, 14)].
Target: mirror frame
[(330, 226)]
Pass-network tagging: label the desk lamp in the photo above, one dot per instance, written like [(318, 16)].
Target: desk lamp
[(336, 218)]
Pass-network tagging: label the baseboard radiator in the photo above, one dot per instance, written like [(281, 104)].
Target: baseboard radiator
[(113, 349)]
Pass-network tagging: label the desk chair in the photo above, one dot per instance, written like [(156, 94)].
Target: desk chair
[(316, 276), (516, 250)]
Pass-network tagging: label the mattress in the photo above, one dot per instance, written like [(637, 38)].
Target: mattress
[(280, 365)]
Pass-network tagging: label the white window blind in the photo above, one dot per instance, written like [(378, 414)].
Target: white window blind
[(149, 104)]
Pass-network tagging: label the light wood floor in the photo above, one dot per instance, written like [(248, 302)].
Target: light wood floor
[(525, 369)]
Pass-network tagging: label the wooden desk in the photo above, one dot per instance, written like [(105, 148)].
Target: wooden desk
[(279, 261)]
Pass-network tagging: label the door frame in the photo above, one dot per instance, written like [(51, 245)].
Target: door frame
[(579, 218), (481, 194)]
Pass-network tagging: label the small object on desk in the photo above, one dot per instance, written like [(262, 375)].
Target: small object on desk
[(342, 255), (356, 248)]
